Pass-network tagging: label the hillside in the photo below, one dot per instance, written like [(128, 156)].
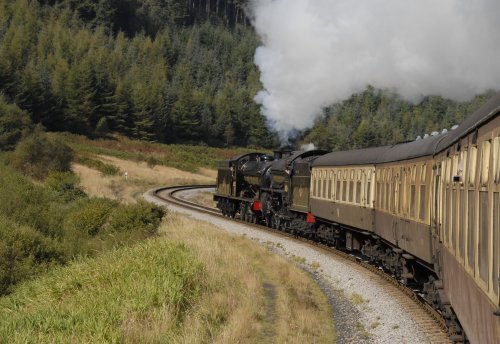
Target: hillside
[(378, 117), (152, 70)]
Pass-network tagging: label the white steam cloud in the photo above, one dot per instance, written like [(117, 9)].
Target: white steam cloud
[(317, 52), (308, 147)]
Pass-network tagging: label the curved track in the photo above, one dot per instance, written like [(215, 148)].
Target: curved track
[(431, 322)]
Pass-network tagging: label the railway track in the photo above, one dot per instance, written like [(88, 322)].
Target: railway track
[(429, 320)]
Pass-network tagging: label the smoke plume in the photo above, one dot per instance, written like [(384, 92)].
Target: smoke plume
[(318, 52)]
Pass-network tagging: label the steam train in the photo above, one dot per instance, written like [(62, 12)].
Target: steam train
[(427, 211)]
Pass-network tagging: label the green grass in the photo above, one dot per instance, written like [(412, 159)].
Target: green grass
[(105, 169), (357, 299), (299, 260), (184, 157), (105, 299)]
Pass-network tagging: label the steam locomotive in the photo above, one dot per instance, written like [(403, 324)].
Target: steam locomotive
[(427, 211)]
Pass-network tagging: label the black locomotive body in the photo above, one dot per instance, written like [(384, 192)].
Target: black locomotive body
[(286, 201), (427, 212), (239, 182)]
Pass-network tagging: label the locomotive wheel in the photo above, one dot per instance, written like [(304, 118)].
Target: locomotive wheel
[(283, 227)]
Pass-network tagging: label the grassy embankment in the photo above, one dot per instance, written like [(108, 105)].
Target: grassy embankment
[(190, 284), (193, 284)]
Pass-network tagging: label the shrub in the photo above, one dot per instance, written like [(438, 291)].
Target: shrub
[(152, 161), (141, 216), (26, 203), (89, 215), (24, 253), (14, 123), (37, 155), (65, 184)]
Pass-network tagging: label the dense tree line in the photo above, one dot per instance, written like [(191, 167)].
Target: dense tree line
[(158, 70), (377, 117)]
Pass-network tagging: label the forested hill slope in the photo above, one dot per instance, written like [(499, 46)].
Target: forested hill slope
[(158, 70), (380, 117)]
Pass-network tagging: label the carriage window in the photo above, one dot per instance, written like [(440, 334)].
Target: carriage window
[(344, 190), (483, 245), (378, 194), (453, 219), (391, 197), (358, 192), (324, 185), (387, 195), (462, 164), (396, 196), (330, 186), (423, 202), (402, 194), (448, 170), (351, 190), (472, 165), (496, 159), (471, 226), (496, 240), (485, 166), (369, 194), (337, 190), (422, 174), (462, 224), (447, 222), (316, 184), (413, 201), (454, 169)]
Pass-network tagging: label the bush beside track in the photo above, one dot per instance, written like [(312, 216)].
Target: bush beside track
[(48, 224)]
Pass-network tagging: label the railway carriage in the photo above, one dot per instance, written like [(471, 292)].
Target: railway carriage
[(402, 207), (343, 194), (466, 222)]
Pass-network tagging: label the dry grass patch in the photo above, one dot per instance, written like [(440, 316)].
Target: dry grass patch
[(161, 175), (205, 198), (140, 178), (251, 294)]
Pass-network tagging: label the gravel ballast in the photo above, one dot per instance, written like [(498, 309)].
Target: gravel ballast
[(363, 310)]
